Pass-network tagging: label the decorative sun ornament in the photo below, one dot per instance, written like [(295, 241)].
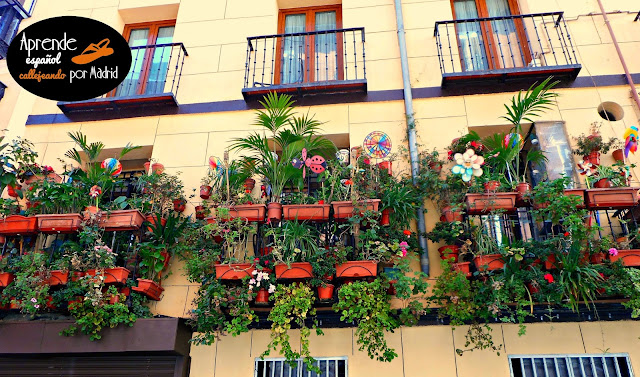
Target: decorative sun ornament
[(586, 168), (469, 165)]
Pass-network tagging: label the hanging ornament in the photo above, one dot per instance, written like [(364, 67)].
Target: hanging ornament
[(343, 156), (377, 145), (512, 140), (317, 164), (113, 166), (469, 165), (216, 165), (630, 141)]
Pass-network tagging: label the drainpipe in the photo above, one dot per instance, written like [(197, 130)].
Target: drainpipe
[(411, 131), (620, 56)]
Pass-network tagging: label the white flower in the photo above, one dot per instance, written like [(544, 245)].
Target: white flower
[(252, 281), (468, 165), (272, 288), (254, 272)]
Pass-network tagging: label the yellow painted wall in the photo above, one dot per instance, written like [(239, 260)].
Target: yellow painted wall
[(214, 33)]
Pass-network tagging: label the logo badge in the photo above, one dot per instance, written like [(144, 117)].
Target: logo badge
[(69, 58)]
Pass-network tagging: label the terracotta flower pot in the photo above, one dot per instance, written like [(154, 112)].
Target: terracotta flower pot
[(345, 209), (200, 212), (593, 158), (464, 267), (205, 191), (116, 275), (449, 252), (156, 168), (179, 205), (151, 219), (15, 225), (59, 223), (384, 219), (630, 258), (614, 197), (306, 212), (325, 293), (449, 215), (488, 262), (522, 188), (550, 263), (249, 184), (274, 211), (149, 288), (603, 183), (6, 278), (233, 271), (58, 277), (298, 270), (76, 275), (491, 186), (121, 220), (386, 165), (478, 204), (435, 166), (262, 296), (533, 289), (250, 212), (353, 269), (618, 155), (597, 258)]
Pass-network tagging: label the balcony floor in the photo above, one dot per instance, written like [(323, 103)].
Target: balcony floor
[(308, 88), (115, 104)]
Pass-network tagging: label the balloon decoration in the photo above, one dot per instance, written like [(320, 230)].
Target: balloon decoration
[(469, 165), (377, 144), (512, 140), (630, 141), (317, 164), (343, 156), (113, 166)]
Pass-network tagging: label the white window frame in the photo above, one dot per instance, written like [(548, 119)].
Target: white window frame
[(300, 362), (567, 358)]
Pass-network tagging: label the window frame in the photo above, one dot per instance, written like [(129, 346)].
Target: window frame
[(154, 27), (300, 362), (569, 356), (493, 58), (310, 22)]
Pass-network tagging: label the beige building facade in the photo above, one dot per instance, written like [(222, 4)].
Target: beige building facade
[(212, 106)]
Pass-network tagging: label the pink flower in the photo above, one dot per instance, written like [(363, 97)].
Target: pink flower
[(403, 244), (252, 281), (613, 251), (404, 252), (36, 306), (548, 278), (33, 299)]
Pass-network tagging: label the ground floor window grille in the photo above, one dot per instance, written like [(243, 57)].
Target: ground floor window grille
[(587, 365), (278, 367)]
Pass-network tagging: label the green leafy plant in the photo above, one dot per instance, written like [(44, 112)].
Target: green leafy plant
[(451, 233), (585, 144), (293, 242), (29, 291)]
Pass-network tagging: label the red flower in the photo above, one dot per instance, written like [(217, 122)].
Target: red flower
[(474, 144), (407, 233), (247, 191), (256, 260), (367, 161), (348, 182), (567, 234), (601, 275), (548, 278)]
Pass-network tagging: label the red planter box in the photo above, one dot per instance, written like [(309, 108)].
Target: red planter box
[(58, 277), (354, 269), (251, 212), (464, 267), (479, 204), (121, 220), (16, 225), (59, 223), (488, 262), (344, 210), (149, 288), (614, 197), (629, 257), (298, 270), (116, 275), (234, 271), (6, 278), (449, 252), (314, 212)]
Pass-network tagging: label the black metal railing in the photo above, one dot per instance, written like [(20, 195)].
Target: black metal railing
[(12, 12), (155, 70), (23, 7), (305, 59), (511, 43), (127, 184)]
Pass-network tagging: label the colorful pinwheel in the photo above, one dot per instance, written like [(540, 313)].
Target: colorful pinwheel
[(469, 165), (630, 141), (586, 168)]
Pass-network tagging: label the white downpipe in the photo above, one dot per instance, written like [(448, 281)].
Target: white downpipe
[(411, 130)]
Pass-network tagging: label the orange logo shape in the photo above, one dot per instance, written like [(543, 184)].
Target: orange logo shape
[(93, 52)]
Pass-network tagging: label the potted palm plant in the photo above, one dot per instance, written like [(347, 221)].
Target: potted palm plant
[(60, 204), (272, 150), (292, 245)]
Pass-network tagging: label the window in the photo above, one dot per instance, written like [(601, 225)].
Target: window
[(309, 58), (277, 367), (151, 52), (596, 365), (490, 45)]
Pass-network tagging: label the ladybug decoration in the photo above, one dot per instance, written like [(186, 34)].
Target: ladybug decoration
[(317, 164)]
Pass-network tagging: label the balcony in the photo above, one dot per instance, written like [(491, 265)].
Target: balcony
[(518, 48), (11, 13), (151, 84), (318, 62)]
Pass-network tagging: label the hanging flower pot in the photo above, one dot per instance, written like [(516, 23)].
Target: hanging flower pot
[(603, 183), (249, 184), (386, 165), (274, 211), (6, 278), (360, 268), (325, 293), (618, 155), (449, 252), (614, 197), (345, 209), (449, 215), (121, 220), (464, 267), (149, 288), (15, 225), (306, 212), (491, 186), (233, 271), (593, 158), (179, 205), (262, 296), (205, 191), (59, 223), (630, 258), (58, 277), (298, 270), (249, 212), (156, 168), (200, 212), (384, 219), (152, 219), (116, 275), (479, 204), (488, 262)]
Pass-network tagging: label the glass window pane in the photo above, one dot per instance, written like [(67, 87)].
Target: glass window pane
[(470, 37), (159, 68), (131, 84), (326, 56), (293, 57)]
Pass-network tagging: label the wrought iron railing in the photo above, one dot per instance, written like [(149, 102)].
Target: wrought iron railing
[(11, 13), (24, 7), (511, 43), (305, 59), (155, 70)]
